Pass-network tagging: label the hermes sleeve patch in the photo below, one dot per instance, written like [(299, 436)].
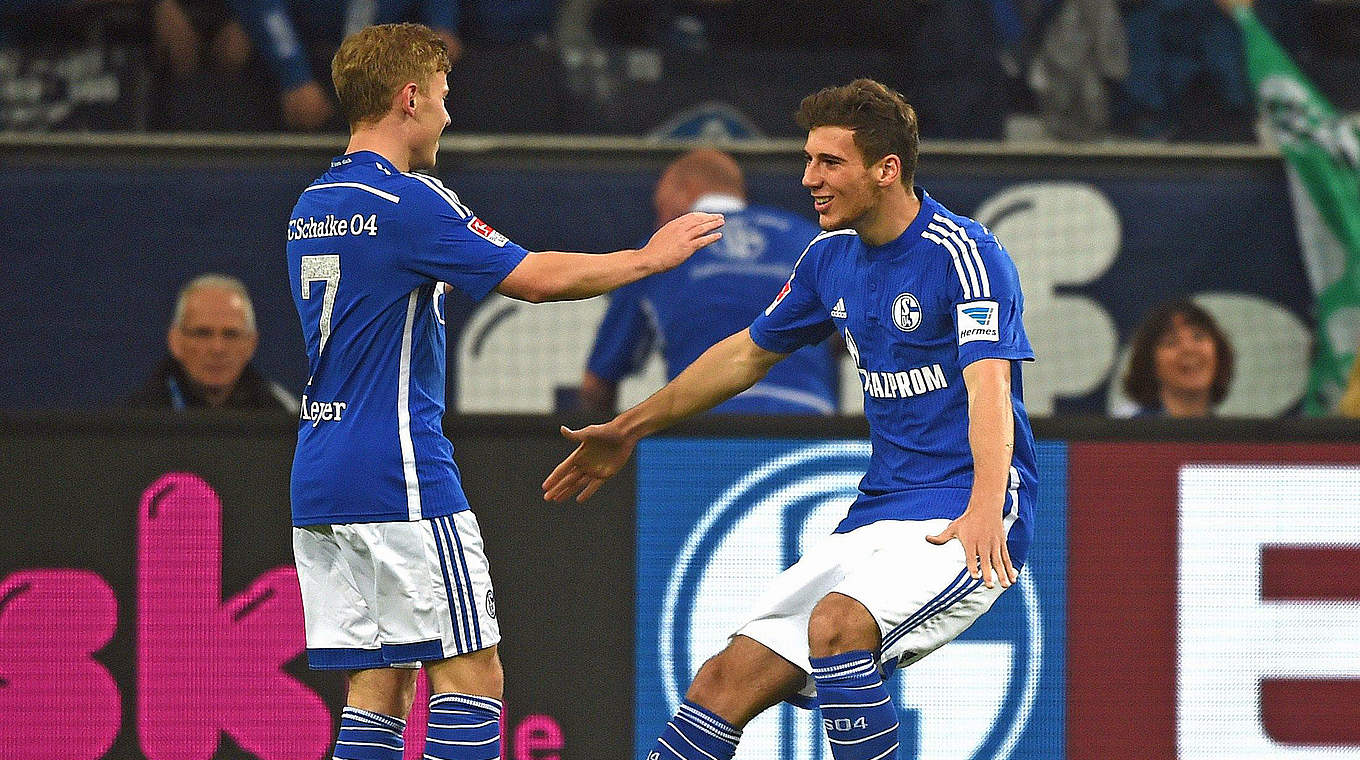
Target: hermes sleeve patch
[(978, 320)]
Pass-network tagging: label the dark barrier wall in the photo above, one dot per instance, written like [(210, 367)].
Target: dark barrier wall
[(95, 244), (148, 606), (1191, 594)]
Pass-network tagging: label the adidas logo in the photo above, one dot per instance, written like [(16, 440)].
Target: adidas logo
[(839, 309)]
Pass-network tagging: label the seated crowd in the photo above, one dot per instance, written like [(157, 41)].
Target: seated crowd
[(1158, 69)]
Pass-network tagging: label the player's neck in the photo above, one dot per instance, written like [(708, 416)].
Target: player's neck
[(890, 217), (381, 140)]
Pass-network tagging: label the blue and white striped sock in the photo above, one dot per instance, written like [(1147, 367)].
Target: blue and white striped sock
[(857, 713), (696, 734), (368, 735), (463, 727)]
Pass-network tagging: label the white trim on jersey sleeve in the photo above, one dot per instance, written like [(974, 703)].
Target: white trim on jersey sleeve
[(961, 235), (408, 449), (948, 244), (357, 186), (788, 284), (443, 192)]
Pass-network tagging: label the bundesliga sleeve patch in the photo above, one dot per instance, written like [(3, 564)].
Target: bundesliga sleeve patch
[(784, 291), (483, 230), (978, 320)]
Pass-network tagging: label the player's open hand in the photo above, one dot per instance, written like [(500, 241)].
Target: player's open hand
[(679, 238), (984, 547), (601, 452)]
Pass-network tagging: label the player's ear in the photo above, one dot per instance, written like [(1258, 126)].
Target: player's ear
[(889, 170), (406, 98)]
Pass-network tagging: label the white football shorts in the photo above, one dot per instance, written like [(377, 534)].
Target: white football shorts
[(920, 594), (394, 594)]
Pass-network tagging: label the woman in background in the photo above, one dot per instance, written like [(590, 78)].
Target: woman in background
[(1181, 364)]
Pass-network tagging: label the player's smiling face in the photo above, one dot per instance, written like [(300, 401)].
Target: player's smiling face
[(432, 116), (843, 188)]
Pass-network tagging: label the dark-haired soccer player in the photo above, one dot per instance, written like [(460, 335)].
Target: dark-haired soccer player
[(388, 554), (929, 305)]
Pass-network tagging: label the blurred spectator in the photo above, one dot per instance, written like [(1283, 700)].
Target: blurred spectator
[(296, 37), (1349, 406), (714, 294), (212, 339), (944, 56), (501, 22), (73, 64), (1185, 78), (187, 31), (293, 35), (1181, 363), (1082, 50)]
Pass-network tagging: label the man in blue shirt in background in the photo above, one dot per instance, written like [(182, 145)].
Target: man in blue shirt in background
[(715, 293)]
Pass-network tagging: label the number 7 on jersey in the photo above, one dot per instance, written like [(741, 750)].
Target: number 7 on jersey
[(326, 269)]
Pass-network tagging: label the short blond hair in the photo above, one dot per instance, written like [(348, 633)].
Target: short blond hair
[(375, 62)]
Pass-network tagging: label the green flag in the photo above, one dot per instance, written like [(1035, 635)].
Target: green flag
[(1323, 159)]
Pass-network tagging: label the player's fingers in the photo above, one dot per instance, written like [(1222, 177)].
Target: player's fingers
[(558, 472), (556, 487), (569, 434), (1011, 572), (710, 223), (707, 240), (590, 489), (999, 567), (970, 551), (943, 537), (564, 489), (552, 491)]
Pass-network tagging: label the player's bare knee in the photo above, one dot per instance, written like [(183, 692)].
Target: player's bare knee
[(716, 677), (841, 624), (387, 691), (478, 673)]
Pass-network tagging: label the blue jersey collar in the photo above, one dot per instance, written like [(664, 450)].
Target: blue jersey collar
[(363, 158), (718, 203)]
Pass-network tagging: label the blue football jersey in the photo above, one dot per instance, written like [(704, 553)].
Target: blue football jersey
[(369, 251), (914, 313), (715, 293)]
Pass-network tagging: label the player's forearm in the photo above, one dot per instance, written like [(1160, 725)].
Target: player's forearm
[(563, 276), (991, 437), (727, 368)]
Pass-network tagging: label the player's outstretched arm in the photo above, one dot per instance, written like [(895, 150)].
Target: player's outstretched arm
[(561, 276), (729, 367), (991, 436)]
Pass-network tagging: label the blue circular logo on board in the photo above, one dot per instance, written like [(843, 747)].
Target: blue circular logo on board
[(970, 699)]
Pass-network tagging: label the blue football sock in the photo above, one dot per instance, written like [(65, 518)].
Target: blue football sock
[(463, 727), (857, 713), (696, 734), (368, 735)]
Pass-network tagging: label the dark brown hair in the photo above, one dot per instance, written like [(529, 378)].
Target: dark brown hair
[(1141, 383), (376, 61), (883, 122)]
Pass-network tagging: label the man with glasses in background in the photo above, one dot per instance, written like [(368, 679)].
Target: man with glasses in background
[(211, 340)]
